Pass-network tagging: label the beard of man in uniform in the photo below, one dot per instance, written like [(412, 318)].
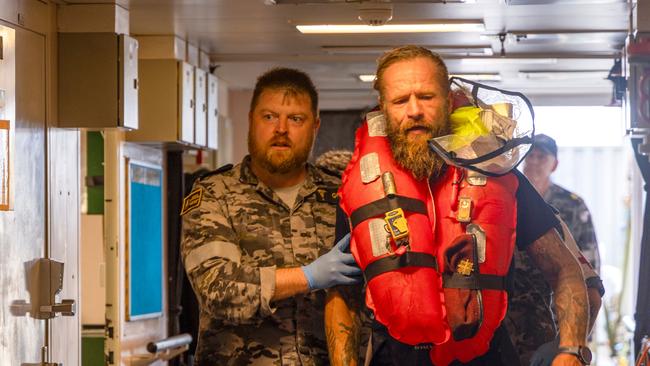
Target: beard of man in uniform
[(281, 162), (415, 155)]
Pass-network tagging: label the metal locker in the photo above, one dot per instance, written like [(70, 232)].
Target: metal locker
[(186, 102), (128, 81), (213, 112), (201, 107)]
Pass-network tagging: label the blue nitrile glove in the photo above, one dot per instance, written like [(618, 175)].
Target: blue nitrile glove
[(334, 268), (545, 354)]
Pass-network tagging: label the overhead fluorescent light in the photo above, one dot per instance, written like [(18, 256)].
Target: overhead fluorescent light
[(444, 50), (480, 61), (368, 78), (563, 74), (330, 2), (465, 26)]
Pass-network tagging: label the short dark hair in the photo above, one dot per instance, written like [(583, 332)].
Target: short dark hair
[(292, 80), (409, 52)]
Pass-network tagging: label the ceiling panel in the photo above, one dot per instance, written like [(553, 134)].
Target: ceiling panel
[(246, 37)]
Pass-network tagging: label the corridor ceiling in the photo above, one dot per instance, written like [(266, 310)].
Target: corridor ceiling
[(556, 51)]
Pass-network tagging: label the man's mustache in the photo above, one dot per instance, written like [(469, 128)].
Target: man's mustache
[(281, 141), (413, 125)]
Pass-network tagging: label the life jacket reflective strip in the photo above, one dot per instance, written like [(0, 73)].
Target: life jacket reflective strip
[(408, 298)]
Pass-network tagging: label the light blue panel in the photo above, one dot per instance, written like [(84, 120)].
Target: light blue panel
[(146, 244)]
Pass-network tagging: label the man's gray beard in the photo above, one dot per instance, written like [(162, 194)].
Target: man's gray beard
[(278, 162), (416, 156)]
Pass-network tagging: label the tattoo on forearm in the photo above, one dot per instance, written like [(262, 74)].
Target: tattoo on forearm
[(342, 329), (331, 338), (563, 273), (351, 347)]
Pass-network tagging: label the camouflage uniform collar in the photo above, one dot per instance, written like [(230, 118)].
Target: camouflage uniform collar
[(552, 190), (246, 175)]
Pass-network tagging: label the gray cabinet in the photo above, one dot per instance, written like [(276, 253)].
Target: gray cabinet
[(166, 104), (97, 80)]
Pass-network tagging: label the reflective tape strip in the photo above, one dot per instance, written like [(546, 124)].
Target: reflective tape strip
[(221, 249), (369, 166), (376, 124)]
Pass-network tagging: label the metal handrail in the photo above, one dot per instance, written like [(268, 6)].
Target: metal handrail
[(169, 343)]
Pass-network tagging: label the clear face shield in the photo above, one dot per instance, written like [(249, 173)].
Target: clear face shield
[(492, 129)]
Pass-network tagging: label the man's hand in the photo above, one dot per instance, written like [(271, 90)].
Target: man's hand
[(334, 268), (548, 355)]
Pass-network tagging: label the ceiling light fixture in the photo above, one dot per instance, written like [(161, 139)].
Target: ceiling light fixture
[(444, 50), (369, 78), (492, 61), (447, 26), (563, 74)]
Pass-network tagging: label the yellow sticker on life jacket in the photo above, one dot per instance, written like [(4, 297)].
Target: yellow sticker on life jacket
[(465, 267), (396, 224), (464, 213)]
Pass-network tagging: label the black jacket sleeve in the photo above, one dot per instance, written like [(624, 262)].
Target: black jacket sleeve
[(534, 216)]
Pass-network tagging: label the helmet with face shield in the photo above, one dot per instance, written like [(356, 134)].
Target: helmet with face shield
[(491, 129)]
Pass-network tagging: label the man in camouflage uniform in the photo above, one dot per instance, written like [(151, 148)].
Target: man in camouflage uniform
[(530, 320), (257, 238), (538, 167)]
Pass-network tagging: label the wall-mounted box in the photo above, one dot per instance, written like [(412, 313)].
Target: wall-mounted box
[(166, 98), (97, 80), (213, 112)]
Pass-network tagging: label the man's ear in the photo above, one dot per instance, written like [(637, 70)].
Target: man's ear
[(317, 124), (554, 165), (450, 101)]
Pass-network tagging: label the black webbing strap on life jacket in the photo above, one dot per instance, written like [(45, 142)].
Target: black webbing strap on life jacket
[(474, 281), (394, 262), (383, 205)]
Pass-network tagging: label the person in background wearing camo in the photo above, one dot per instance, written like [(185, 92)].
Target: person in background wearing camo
[(530, 321), (540, 163), (258, 238)]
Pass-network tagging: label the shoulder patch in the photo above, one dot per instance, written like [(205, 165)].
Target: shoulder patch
[(219, 170), (327, 195), (574, 197), (192, 201)]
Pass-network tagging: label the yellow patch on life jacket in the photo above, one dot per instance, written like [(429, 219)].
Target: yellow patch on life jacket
[(192, 201), (465, 267)]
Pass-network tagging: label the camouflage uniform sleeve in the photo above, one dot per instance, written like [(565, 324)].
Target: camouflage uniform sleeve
[(586, 238), (226, 288)]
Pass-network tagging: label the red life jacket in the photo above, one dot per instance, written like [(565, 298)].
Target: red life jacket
[(404, 273), (475, 235)]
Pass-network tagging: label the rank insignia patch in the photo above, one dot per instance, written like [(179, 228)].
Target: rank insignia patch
[(327, 195), (192, 201)]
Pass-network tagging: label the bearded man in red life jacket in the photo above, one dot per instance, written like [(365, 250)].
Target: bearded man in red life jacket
[(416, 102)]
